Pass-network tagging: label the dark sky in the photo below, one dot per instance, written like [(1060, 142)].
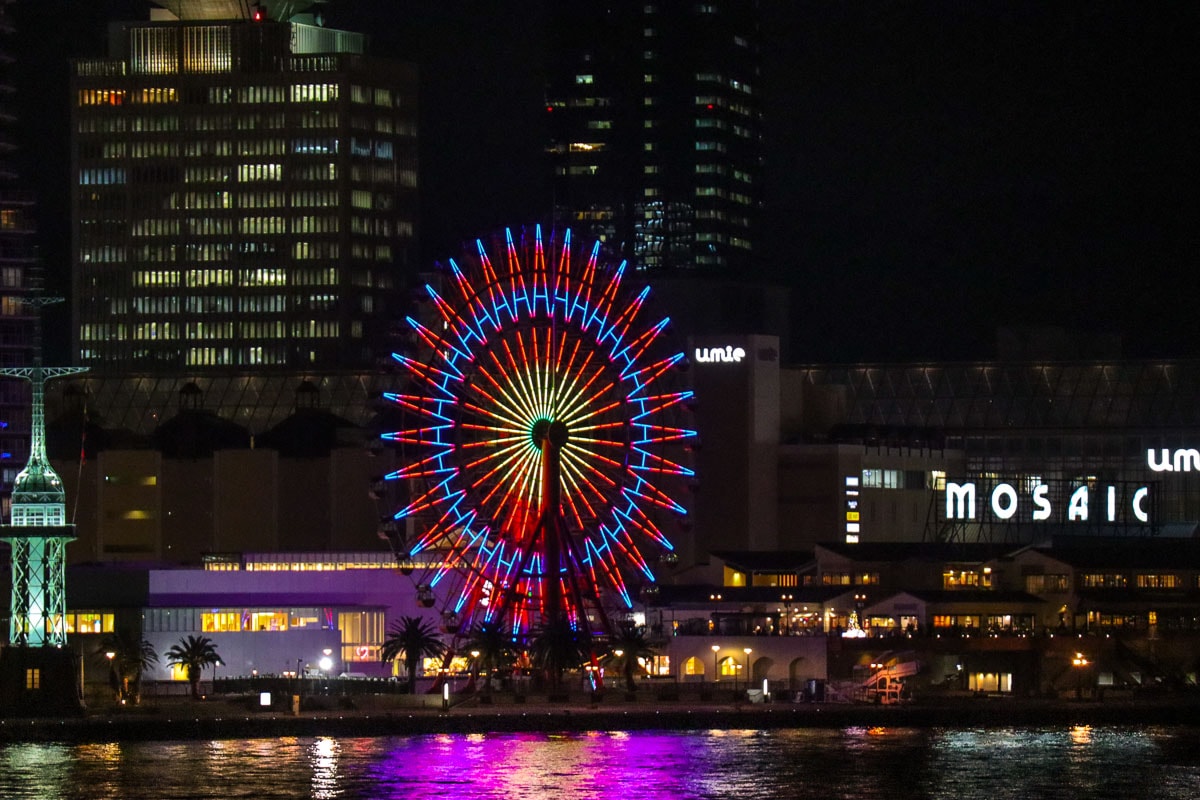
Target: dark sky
[(935, 169)]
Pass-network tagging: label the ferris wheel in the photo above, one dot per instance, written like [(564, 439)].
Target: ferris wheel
[(543, 438)]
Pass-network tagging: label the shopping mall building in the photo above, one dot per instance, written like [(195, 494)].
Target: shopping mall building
[(1014, 498)]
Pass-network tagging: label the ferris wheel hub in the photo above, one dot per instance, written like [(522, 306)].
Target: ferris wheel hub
[(554, 430)]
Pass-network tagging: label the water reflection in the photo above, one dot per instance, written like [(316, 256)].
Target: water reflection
[(861, 763), (323, 757)]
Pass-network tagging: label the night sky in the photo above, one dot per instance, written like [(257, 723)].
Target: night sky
[(935, 169)]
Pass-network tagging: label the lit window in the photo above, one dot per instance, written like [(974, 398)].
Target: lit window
[(220, 621)]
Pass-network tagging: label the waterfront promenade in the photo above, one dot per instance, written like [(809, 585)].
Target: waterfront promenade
[(226, 719)]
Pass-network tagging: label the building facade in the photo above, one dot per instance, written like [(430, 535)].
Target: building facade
[(656, 141), (244, 197)]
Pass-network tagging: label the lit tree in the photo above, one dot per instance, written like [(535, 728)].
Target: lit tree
[(495, 649), (194, 653), (626, 647), (413, 638), (128, 658)]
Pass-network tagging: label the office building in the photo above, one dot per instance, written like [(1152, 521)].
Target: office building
[(655, 130), (17, 281), (244, 194)]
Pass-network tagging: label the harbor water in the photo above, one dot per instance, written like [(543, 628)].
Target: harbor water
[(858, 762)]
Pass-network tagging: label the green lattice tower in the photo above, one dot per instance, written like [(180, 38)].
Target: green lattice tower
[(38, 531)]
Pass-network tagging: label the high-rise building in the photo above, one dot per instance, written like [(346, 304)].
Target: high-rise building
[(244, 193), (17, 279), (656, 130)]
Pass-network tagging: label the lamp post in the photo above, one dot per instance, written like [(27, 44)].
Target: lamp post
[(715, 598), (716, 648), (110, 655), (1080, 664), (787, 608), (747, 651)]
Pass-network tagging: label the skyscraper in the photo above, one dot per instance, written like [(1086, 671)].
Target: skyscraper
[(656, 130), (17, 278), (244, 193)]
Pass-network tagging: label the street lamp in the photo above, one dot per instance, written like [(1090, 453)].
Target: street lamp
[(1080, 664), (716, 673), (715, 598), (787, 607), (747, 651), (110, 655)]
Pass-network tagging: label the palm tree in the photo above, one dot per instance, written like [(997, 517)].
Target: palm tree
[(194, 653), (557, 647), (414, 638), (128, 657), (627, 646), (495, 651)]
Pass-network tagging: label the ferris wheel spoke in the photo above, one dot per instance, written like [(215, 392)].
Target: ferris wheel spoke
[(631, 352), (464, 330), (572, 405), (509, 389), (447, 351), (621, 325), (441, 530), (562, 279), (432, 377), (583, 296), (432, 436), (541, 284), (526, 377), (633, 518), (619, 538), (645, 490), (579, 467), (487, 566), (431, 407), (517, 290), (487, 404), (573, 508), (495, 291), (508, 423), (650, 462), (649, 406), (657, 434), (435, 464), (582, 490), (585, 414), (556, 365), (600, 558), (644, 377), (511, 459), (475, 310), (603, 308)]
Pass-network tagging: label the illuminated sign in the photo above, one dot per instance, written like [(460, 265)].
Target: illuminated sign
[(728, 354), (853, 514), (1037, 502), (1182, 460)]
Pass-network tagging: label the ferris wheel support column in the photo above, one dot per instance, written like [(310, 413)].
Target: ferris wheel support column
[(550, 519)]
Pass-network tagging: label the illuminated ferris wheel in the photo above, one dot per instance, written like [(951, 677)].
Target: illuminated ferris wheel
[(542, 439)]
